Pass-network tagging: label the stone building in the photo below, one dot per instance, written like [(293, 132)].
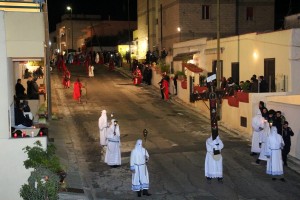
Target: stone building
[(73, 29), (164, 22)]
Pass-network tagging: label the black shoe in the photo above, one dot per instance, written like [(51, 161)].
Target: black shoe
[(139, 193), (220, 180), (282, 179), (285, 164), (253, 154), (208, 180), (146, 193), (274, 179)]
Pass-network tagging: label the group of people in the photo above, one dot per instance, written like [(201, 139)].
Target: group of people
[(32, 89), (110, 143), (254, 86), (142, 73), (271, 140)]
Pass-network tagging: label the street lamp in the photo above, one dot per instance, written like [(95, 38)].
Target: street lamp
[(69, 8)]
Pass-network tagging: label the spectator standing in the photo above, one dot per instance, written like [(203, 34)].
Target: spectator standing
[(20, 90), (286, 135), (263, 85)]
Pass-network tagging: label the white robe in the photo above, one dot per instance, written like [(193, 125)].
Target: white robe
[(113, 151), (102, 124), (213, 168), (263, 140), (91, 71), (274, 145), (257, 121), (138, 157), (97, 59)]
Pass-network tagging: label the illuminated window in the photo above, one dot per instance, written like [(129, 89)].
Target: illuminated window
[(205, 12), (249, 14)]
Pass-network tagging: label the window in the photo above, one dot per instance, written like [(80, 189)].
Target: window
[(205, 12), (249, 14)]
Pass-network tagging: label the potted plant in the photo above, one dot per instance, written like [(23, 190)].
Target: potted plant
[(181, 75), (48, 163)]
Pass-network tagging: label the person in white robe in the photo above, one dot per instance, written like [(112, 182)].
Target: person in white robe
[(97, 58), (274, 145), (258, 127), (213, 159), (113, 151), (91, 71), (103, 125), (263, 143), (138, 166)]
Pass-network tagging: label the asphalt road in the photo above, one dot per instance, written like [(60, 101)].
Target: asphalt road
[(176, 144)]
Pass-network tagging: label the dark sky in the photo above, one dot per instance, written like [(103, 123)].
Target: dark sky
[(116, 9)]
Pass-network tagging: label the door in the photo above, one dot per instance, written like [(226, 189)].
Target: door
[(235, 72), (214, 67), (269, 73)]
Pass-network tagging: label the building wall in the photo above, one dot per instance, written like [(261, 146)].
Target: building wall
[(13, 173), (24, 39), (243, 48), (4, 82), (83, 28), (188, 16), (21, 41)]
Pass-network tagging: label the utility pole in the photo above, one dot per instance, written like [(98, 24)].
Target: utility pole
[(218, 46), (47, 61), (129, 38)]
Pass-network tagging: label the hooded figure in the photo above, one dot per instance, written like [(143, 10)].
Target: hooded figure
[(258, 128), (140, 177), (113, 152), (102, 123), (274, 145), (213, 159)]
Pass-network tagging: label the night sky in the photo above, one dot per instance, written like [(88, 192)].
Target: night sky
[(117, 9)]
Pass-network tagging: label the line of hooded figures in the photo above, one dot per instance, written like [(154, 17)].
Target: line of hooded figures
[(270, 142)]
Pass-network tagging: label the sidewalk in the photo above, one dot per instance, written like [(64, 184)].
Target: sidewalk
[(59, 133)]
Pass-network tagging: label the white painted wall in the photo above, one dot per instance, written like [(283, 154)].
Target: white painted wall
[(25, 34), (5, 86), (13, 173)]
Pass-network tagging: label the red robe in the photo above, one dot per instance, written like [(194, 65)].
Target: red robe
[(66, 79), (137, 77), (166, 89), (77, 90)]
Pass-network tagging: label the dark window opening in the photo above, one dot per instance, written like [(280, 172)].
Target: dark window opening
[(249, 14), (205, 12)]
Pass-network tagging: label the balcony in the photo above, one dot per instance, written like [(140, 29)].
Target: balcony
[(21, 6)]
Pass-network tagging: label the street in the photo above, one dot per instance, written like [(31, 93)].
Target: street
[(176, 144)]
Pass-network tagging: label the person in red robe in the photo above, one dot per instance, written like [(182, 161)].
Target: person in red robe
[(111, 65), (165, 87), (137, 76), (77, 90), (66, 79)]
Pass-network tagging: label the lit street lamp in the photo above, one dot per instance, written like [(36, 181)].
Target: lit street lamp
[(71, 10)]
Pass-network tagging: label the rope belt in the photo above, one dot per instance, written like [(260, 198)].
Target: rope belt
[(139, 164), (110, 140)]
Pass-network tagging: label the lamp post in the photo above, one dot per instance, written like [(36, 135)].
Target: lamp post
[(71, 10), (179, 31)]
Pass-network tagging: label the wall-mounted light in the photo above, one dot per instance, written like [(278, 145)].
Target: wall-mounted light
[(255, 55)]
